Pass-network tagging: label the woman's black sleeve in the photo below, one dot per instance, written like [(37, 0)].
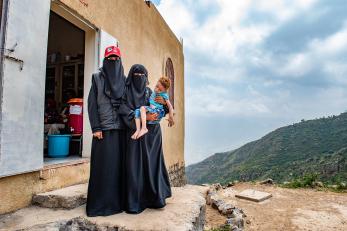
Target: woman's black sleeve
[(124, 110), (126, 113), (93, 108)]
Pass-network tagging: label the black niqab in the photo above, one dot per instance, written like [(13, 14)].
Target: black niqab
[(115, 78), (136, 86)]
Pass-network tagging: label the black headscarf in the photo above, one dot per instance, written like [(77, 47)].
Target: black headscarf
[(136, 87), (115, 79)]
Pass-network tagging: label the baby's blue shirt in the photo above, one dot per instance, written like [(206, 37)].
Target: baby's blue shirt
[(154, 95)]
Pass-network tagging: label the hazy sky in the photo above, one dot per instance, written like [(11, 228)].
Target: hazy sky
[(253, 66)]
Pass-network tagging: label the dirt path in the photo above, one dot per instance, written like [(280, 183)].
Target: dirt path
[(288, 209)]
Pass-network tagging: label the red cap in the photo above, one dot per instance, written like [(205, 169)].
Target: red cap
[(112, 50)]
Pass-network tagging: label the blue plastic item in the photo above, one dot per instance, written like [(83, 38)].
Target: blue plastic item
[(58, 145)]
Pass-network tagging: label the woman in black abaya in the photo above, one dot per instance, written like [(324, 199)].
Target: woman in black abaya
[(146, 181), (108, 145)]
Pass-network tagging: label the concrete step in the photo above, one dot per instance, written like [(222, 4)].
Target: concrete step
[(184, 211), (65, 198)]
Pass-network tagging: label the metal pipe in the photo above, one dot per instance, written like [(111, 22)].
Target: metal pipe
[(3, 26)]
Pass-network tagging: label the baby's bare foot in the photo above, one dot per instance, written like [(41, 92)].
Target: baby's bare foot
[(134, 136), (142, 132)]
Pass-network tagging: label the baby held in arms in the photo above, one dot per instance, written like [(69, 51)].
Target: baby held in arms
[(154, 107)]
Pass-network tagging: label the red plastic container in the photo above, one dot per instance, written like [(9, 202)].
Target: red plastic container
[(76, 115)]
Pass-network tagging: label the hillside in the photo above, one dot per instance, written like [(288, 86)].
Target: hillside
[(314, 146)]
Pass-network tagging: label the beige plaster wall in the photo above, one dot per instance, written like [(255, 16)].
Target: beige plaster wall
[(144, 38)]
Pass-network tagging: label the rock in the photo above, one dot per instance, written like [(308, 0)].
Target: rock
[(239, 211), (318, 184), (211, 190), (209, 197), (221, 206), (216, 203), (227, 209), (217, 186), (65, 198), (248, 222), (267, 181), (236, 212), (231, 215), (237, 221), (230, 184), (214, 200)]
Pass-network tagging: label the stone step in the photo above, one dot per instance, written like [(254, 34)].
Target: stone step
[(65, 198), (184, 211)]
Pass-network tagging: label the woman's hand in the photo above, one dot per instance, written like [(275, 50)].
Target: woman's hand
[(98, 135), (160, 100), (151, 116)]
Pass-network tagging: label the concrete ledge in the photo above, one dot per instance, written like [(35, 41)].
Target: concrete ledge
[(253, 195), (185, 210), (16, 192), (65, 198)]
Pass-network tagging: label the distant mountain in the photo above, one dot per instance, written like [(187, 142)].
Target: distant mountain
[(313, 146)]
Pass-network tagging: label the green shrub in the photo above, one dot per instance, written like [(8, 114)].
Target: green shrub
[(221, 228), (302, 182)]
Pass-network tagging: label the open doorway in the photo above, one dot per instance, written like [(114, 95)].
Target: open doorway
[(64, 89)]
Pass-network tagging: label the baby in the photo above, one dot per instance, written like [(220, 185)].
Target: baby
[(160, 90)]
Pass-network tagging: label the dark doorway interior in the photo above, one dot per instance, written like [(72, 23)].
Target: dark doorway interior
[(64, 79)]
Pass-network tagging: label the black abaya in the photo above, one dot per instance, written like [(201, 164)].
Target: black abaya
[(104, 189), (146, 179)]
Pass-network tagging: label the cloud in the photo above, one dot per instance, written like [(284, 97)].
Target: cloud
[(324, 57), (270, 62), (215, 101)]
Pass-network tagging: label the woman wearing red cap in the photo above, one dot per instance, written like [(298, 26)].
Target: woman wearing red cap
[(108, 145)]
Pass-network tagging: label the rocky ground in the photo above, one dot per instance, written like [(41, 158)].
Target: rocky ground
[(288, 209), (64, 210)]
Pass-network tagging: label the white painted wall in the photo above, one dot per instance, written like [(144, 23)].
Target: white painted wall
[(22, 112), (91, 66), (21, 136), (105, 40)]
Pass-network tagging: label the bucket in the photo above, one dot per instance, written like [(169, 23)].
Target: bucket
[(58, 145)]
